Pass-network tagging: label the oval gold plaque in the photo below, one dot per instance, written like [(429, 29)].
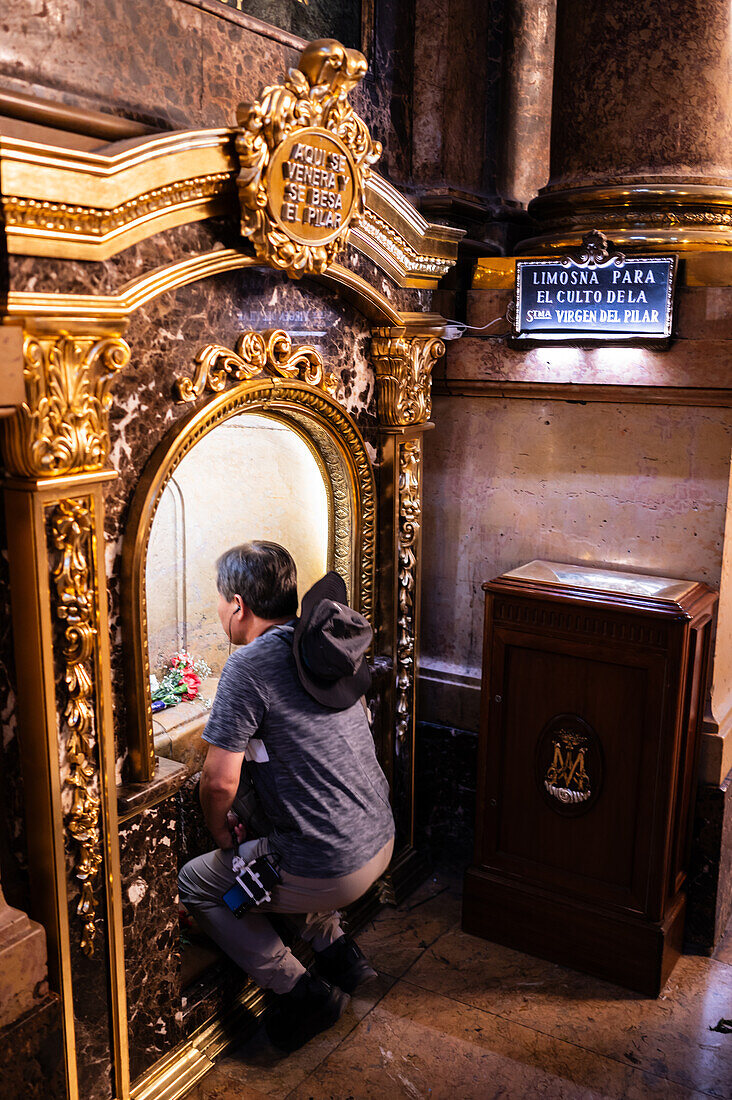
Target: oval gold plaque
[(312, 186)]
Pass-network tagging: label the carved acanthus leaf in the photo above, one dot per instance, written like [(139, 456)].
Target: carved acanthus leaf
[(403, 366), (62, 427)]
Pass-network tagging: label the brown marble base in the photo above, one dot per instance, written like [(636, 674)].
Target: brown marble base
[(149, 846), (31, 1055), (710, 873)]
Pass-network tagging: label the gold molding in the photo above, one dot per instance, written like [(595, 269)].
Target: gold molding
[(100, 233), (403, 365), (71, 523), (647, 216), (75, 204), (389, 250), (116, 174), (62, 426), (410, 520), (257, 353), (312, 103), (306, 404)]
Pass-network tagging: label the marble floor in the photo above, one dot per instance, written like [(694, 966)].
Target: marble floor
[(456, 1017)]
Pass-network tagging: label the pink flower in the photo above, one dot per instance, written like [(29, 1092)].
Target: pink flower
[(193, 682)]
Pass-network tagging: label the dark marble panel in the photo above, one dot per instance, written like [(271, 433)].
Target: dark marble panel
[(445, 780), (406, 299), (143, 61), (31, 1055), (212, 994), (149, 849), (52, 276), (195, 838), (710, 872)]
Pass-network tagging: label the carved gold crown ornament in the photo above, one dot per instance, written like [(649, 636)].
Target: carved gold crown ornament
[(256, 353), (304, 158)]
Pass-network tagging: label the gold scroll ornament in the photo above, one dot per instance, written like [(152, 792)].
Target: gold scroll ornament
[(256, 353), (410, 517), (304, 158), (71, 531)]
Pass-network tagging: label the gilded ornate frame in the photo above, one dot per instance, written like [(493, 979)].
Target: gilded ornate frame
[(66, 203), (334, 437)]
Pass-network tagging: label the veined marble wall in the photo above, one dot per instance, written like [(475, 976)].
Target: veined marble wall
[(642, 485), (636, 487), (181, 64)]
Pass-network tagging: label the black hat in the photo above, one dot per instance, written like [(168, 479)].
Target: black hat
[(329, 645)]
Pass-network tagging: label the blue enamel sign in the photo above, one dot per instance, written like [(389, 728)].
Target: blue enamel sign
[(621, 299)]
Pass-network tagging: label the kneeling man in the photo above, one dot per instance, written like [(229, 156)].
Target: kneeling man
[(288, 710)]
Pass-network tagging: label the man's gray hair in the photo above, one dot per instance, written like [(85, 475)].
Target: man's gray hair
[(263, 574)]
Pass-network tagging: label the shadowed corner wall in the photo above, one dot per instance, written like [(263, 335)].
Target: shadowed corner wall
[(634, 472)]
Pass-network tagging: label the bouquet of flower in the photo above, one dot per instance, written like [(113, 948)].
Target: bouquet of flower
[(180, 682)]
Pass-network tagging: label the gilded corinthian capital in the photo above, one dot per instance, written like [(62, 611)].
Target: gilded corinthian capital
[(62, 426), (403, 365)]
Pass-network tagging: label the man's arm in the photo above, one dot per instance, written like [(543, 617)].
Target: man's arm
[(219, 784)]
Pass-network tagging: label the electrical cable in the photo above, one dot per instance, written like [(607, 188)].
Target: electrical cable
[(462, 327)]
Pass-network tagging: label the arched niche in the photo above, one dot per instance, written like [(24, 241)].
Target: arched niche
[(336, 446)]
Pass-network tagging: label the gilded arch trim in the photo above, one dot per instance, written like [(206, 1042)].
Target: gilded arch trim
[(111, 311), (342, 450)]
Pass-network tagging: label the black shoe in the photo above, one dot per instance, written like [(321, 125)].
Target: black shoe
[(311, 1007), (344, 964)]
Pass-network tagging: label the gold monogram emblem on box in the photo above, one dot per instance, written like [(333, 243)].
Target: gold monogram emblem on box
[(566, 777), (304, 158), (569, 764)]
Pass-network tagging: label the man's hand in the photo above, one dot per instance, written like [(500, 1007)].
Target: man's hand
[(219, 784), (237, 828)]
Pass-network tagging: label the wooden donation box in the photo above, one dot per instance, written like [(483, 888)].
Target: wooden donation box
[(593, 690)]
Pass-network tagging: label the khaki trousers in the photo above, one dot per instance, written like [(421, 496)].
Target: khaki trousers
[(251, 941)]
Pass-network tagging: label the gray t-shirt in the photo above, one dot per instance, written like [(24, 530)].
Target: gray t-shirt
[(314, 769)]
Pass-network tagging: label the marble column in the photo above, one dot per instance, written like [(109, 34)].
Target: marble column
[(526, 100), (641, 141), (22, 962)]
